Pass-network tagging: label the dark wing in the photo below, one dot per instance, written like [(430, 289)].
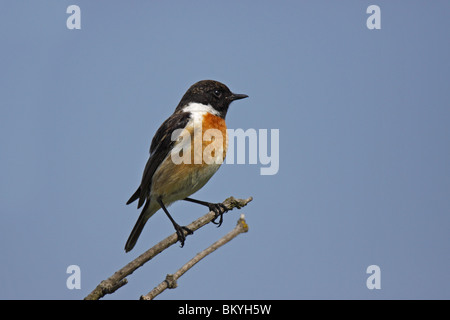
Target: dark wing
[(161, 145)]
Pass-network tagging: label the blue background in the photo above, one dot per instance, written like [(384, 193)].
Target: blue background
[(363, 115)]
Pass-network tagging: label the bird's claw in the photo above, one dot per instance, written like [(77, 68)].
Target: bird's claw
[(180, 233), (219, 209)]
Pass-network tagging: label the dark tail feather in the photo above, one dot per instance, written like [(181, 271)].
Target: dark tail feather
[(135, 196), (136, 232)]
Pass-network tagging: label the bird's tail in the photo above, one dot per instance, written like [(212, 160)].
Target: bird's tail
[(136, 232)]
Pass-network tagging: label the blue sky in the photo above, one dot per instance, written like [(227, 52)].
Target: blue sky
[(363, 119)]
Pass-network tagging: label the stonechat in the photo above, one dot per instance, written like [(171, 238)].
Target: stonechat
[(200, 113)]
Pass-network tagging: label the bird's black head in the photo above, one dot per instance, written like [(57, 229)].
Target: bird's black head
[(210, 92)]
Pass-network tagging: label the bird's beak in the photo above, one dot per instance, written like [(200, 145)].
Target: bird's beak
[(237, 96)]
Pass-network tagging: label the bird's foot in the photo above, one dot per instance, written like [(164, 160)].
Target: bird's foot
[(180, 233), (219, 209)]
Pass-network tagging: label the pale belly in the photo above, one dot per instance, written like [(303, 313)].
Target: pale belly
[(174, 182)]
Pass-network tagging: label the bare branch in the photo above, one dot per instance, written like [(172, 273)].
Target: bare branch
[(171, 279), (118, 279)]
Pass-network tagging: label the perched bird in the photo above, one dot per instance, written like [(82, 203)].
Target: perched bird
[(198, 119)]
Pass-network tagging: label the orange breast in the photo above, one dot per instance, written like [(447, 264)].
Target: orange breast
[(178, 181), (215, 138)]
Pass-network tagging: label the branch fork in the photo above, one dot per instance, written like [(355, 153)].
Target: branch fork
[(118, 279)]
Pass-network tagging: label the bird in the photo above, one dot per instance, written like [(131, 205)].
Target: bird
[(166, 178)]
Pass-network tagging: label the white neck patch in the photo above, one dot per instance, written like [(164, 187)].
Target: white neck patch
[(200, 108)]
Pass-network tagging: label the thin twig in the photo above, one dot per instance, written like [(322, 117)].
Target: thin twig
[(118, 279), (171, 279)]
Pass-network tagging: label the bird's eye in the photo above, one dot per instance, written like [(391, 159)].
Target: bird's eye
[(217, 93)]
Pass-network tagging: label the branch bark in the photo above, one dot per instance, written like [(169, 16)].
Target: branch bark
[(118, 279), (171, 279)]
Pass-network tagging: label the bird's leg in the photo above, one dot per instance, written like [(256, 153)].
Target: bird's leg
[(179, 229), (218, 208)]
